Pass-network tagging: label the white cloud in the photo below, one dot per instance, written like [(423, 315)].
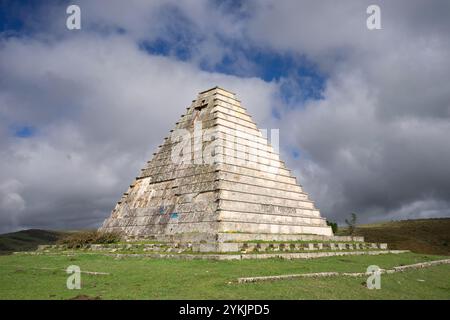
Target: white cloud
[(11, 202)]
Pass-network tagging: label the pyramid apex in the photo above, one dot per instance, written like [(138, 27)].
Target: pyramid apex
[(217, 88)]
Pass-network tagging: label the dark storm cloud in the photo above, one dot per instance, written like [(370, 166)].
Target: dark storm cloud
[(377, 144)]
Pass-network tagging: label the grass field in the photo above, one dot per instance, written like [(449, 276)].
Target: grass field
[(43, 277), (25, 276)]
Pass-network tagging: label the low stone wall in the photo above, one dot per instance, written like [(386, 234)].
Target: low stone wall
[(224, 247), (288, 246), (351, 274), (288, 256)]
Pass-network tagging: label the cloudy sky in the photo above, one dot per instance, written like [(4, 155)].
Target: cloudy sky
[(364, 115)]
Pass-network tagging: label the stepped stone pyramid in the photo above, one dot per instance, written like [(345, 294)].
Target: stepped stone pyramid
[(216, 179)]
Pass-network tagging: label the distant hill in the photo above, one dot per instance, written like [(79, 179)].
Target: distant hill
[(27, 240), (430, 236)]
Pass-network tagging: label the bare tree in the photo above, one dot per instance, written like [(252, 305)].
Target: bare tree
[(351, 223)]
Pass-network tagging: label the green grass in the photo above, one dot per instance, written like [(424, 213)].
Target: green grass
[(26, 277)]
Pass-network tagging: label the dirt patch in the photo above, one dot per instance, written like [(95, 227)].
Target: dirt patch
[(85, 297)]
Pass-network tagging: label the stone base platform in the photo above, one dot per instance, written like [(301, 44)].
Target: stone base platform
[(270, 247), (159, 252), (197, 237), (287, 256), (254, 249)]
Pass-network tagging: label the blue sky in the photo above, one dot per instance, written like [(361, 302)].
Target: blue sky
[(265, 64), (355, 109), (24, 131)]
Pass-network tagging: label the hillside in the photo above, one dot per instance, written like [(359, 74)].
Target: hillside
[(430, 236), (27, 240)]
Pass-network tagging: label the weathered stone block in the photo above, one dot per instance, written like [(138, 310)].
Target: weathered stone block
[(228, 247), (208, 247), (262, 246)]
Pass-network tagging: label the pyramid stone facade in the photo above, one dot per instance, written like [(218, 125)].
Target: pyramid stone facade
[(215, 174)]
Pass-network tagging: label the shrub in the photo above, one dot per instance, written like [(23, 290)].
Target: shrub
[(333, 226), (84, 238)]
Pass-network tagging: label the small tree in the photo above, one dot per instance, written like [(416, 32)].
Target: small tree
[(351, 223), (333, 226)]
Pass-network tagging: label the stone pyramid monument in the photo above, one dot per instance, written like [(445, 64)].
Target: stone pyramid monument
[(216, 179)]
